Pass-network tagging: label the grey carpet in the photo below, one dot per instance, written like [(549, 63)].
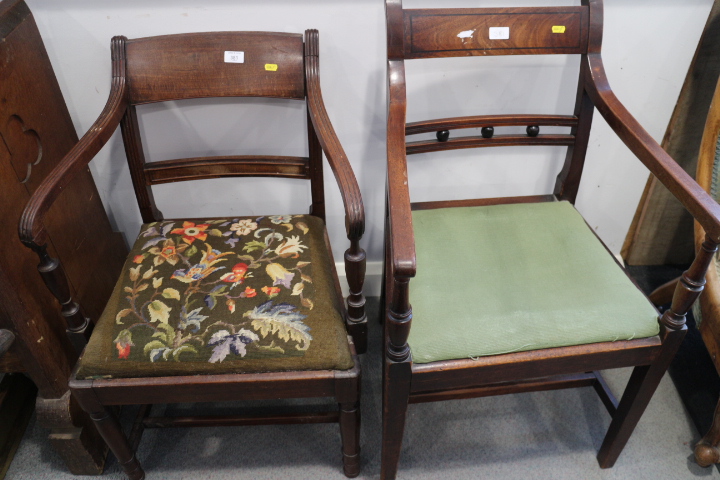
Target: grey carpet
[(545, 435)]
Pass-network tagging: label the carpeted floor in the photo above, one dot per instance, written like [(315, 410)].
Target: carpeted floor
[(545, 435)]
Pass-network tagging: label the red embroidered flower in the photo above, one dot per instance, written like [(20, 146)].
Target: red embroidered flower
[(123, 351), (237, 275), (190, 232), (138, 258), (271, 291), (250, 292), (123, 342)]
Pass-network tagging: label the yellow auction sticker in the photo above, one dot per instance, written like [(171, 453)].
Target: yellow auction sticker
[(272, 67), (558, 29)]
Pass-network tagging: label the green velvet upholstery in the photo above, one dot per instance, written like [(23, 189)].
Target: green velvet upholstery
[(510, 278), (239, 295)]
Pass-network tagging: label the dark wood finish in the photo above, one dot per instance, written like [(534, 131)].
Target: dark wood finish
[(36, 132), (193, 66), (235, 421), (189, 66), (437, 32), (495, 141), (17, 395), (413, 34), (216, 167), (489, 121), (479, 202)]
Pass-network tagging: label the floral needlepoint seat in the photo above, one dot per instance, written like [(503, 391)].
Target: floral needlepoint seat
[(234, 295)]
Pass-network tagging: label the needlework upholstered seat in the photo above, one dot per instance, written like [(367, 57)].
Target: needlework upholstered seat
[(589, 300), (222, 309), (238, 295)]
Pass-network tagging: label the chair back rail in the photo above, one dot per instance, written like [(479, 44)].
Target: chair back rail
[(175, 67), (457, 32), (480, 121), (231, 166)]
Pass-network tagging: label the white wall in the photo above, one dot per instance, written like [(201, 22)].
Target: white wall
[(647, 49)]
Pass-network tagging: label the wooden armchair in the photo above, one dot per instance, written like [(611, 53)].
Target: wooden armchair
[(517, 294), (217, 309)]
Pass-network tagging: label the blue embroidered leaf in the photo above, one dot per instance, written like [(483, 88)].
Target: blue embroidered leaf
[(153, 242), (166, 229), (226, 343), (210, 301), (232, 242), (192, 319), (228, 233)]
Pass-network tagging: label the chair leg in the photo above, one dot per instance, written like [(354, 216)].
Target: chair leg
[(107, 424), (350, 433), (396, 393), (706, 451), (640, 389)]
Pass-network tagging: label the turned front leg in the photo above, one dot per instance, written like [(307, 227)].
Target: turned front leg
[(79, 326), (355, 272)]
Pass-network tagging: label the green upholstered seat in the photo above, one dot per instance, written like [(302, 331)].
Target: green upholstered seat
[(509, 278), (239, 295)]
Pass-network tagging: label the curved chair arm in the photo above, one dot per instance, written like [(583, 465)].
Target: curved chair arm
[(700, 205), (401, 233), (31, 229), (6, 340), (349, 189)]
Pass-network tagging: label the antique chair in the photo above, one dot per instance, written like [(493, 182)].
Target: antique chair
[(524, 297), (217, 309)]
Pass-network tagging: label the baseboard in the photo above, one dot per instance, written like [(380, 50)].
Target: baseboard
[(373, 278)]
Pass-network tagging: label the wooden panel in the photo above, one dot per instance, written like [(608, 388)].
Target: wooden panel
[(461, 32), (215, 388), (481, 202), (452, 374), (412, 148), (489, 121), (216, 167), (171, 67)]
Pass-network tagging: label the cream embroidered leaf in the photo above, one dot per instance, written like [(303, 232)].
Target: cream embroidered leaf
[(281, 320)]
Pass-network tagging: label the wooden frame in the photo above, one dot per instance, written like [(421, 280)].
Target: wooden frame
[(405, 382), (135, 80)]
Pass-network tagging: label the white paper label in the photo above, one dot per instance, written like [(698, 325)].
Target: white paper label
[(499, 33), (234, 57)]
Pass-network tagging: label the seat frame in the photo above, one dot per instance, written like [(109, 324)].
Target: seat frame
[(97, 396), (405, 382)]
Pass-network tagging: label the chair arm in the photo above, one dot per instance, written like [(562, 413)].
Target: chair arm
[(31, 222), (6, 340), (349, 189), (700, 205), (402, 238)]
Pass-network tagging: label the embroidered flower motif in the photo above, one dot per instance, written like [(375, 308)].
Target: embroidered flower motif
[(192, 319), (203, 268), (271, 291), (138, 258), (226, 343), (250, 292), (243, 227), (238, 274), (123, 342), (290, 247), (278, 219), (279, 274), (169, 252), (190, 232)]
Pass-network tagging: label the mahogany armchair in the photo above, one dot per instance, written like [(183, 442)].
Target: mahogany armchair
[(517, 294), (217, 309)]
